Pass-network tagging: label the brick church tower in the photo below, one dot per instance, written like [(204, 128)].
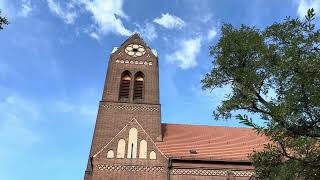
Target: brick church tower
[(129, 141), (128, 121)]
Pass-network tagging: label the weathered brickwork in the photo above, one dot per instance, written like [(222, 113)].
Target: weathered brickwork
[(115, 114), (119, 167), (110, 121), (196, 177), (210, 172), (151, 72), (127, 131)]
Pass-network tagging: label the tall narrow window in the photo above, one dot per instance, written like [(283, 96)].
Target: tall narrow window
[(125, 86), (138, 86), (143, 149), (121, 148), (132, 143)]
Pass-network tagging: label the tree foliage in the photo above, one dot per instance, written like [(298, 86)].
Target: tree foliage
[(274, 72), (3, 21)]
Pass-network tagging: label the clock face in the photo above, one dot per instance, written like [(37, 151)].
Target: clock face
[(135, 50)]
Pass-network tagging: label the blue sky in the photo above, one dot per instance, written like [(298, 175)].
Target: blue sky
[(53, 60)]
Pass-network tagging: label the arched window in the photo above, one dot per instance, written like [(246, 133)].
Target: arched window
[(132, 143), (153, 155), (110, 154), (125, 86), (143, 149), (121, 148), (138, 86)]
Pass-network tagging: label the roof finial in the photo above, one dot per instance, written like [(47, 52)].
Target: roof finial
[(136, 32)]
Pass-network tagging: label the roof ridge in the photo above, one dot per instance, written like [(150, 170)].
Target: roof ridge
[(205, 125)]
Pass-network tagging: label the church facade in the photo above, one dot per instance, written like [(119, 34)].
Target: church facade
[(130, 142)]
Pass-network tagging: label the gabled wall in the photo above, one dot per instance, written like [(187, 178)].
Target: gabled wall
[(125, 167)]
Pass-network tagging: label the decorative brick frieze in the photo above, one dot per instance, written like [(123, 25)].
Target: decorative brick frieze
[(210, 172), (131, 108), (132, 168), (125, 61), (243, 173)]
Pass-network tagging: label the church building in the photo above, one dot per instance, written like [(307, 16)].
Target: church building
[(130, 142)]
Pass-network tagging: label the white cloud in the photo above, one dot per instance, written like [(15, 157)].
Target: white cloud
[(149, 31), (21, 118), (67, 14), (94, 36), (82, 109), (26, 8), (3, 4), (206, 18), (11, 11), (211, 34), (7, 9), (17, 116), (304, 5), (106, 14), (186, 54), (170, 21), (12, 103), (212, 96)]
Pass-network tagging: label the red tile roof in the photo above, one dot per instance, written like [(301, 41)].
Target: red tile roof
[(209, 142)]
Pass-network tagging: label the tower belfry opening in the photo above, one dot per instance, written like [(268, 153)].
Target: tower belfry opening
[(125, 86), (138, 86)]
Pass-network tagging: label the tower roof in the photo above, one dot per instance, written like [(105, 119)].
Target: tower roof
[(136, 38)]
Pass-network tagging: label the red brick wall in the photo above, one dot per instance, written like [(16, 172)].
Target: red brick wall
[(115, 69), (111, 120), (114, 115), (192, 177), (128, 176)]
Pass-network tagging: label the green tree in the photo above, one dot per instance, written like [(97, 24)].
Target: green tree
[(274, 72), (3, 21)]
